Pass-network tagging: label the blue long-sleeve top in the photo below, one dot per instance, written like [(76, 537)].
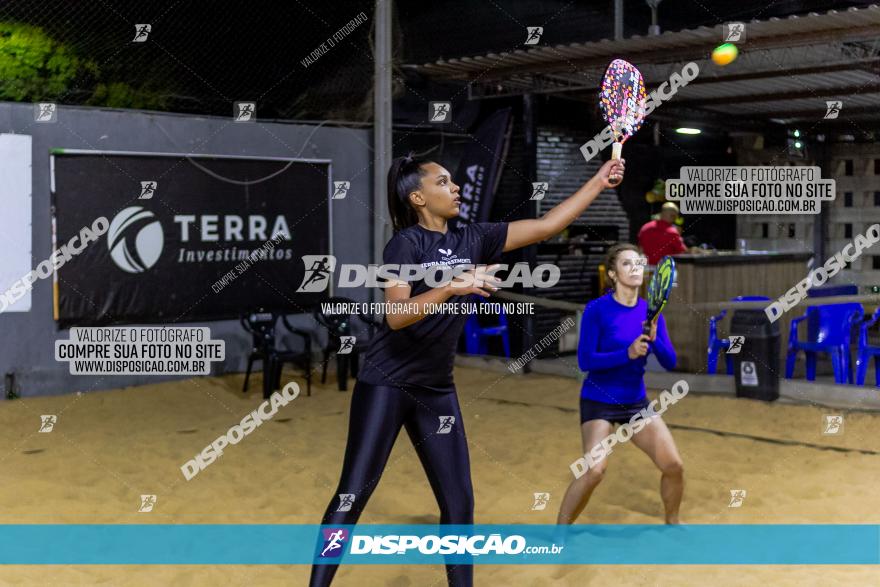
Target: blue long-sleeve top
[(608, 328)]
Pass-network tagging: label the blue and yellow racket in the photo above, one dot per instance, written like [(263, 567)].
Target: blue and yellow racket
[(659, 289)]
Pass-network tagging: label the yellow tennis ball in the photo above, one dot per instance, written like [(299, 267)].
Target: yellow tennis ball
[(724, 54)]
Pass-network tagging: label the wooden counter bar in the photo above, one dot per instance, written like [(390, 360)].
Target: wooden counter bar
[(719, 277)]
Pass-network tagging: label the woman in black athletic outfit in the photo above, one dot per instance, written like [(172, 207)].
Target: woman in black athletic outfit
[(406, 379)]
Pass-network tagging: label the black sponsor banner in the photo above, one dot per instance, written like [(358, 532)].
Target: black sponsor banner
[(480, 168), (189, 239)]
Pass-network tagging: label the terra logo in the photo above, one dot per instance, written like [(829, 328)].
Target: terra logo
[(135, 239)]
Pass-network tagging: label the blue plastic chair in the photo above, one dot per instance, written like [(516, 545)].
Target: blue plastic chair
[(716, 345), (845, 289), (475, 335), (832, 336), (866, 351)]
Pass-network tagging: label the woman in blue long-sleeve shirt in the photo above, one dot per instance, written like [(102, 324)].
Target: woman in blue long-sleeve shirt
[(614, 351)]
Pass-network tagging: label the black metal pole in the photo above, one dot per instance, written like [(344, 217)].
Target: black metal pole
[(531, 172)]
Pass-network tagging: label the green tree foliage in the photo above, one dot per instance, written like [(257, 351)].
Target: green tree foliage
[(35, 67), (122, 95)]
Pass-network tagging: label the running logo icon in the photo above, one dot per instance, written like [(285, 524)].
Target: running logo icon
[(539, 190), (832, 109), (340, 189), (147, 503), (446, 423), (734, 32), (245, 112), (141, 32), (346, 500), (439, 111), (533, 34), (47, 422), (334, 542), (148, 189), (833, 424), (319, 268), (45, 112), (735, 344), (346, 345), (737, 496), (541, 501)]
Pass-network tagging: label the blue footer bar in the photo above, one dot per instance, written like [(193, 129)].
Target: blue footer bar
[(211, 544)]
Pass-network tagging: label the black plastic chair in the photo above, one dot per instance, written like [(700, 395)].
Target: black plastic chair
[(339, 325), (261, 326), (303, 359)]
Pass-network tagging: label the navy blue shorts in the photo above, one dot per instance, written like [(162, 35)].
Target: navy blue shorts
[(614, 413)]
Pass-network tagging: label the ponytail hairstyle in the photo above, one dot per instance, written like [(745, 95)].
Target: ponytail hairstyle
[(404, 177), (611, 259)]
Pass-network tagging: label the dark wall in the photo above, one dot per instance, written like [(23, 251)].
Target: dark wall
[(645, 163), (29, 354)]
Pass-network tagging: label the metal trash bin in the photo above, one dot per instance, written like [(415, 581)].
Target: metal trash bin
[(756, 354)]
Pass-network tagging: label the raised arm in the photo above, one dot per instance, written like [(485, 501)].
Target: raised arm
[(522, 233)]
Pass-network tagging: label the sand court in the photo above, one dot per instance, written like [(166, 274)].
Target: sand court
[(109, 447), (383, 192)]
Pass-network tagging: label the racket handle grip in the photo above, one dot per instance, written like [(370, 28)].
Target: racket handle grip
[(646, 327), (616, 149)]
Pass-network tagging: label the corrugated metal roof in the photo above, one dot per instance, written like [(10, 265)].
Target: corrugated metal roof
[(796, 63), (833, 26), (788, 106)]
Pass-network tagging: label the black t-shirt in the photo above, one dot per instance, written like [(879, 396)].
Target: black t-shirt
[(422, 354)]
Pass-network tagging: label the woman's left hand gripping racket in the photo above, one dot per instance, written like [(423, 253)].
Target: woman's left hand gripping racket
[(659, 289), (622, 100)]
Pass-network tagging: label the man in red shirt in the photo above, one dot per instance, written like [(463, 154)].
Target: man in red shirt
[(660, 237)]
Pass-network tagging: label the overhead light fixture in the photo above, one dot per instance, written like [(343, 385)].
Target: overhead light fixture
[(684, 130)]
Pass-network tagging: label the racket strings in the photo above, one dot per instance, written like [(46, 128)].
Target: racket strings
[(622, 99)]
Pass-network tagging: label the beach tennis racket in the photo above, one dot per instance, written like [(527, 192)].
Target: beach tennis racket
[(658, 290), (622, 100)]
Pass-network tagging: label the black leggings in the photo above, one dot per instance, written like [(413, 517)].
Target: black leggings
[(377, 413)]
